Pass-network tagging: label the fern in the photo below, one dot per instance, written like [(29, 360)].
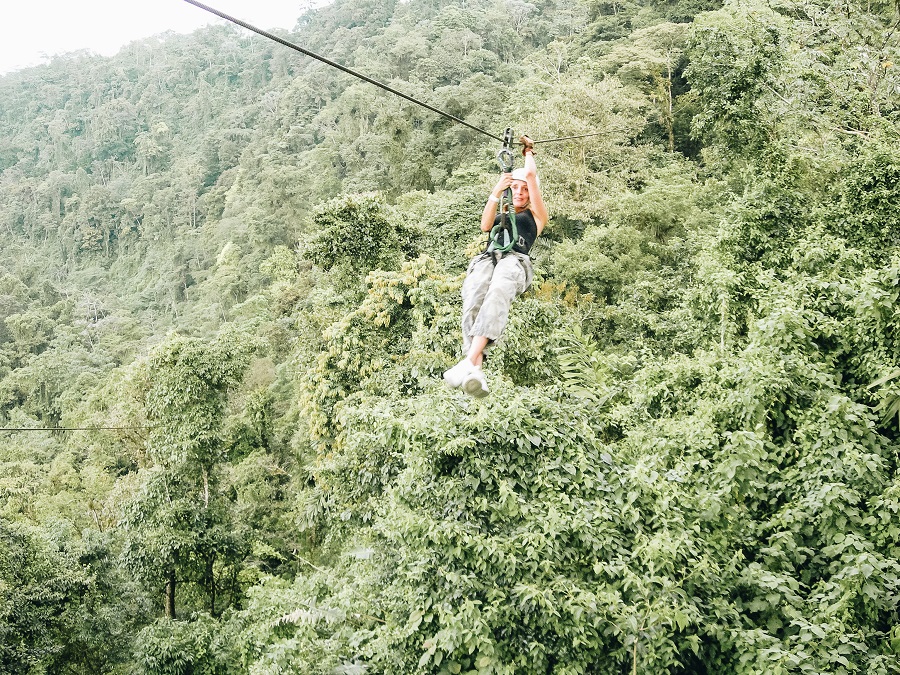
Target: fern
[(580, 364), (889, 406)]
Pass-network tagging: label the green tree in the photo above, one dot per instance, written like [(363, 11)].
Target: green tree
[(177, 524), (736, 57), (38, 589), (652, 59), (355, 234)]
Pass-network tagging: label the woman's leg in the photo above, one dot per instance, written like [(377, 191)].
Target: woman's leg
[(508, 281), (510, 278), (476, 350), (488, 292), (474, 290)]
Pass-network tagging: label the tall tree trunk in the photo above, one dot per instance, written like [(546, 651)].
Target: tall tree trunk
[(170, 588), (670, 107), (212, 584)]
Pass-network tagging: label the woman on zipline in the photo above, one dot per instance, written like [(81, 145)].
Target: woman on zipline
[(495, 278)]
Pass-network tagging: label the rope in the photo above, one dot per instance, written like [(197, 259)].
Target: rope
[(564, 138), (72, 428), (333, 64)]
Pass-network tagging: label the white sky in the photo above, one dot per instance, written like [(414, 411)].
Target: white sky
[(31, 30)]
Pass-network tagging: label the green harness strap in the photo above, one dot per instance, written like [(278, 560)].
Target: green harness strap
[(502, 228)]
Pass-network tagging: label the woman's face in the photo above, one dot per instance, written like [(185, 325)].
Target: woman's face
[(520, 193)]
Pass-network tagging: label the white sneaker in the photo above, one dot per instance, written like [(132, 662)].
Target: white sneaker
[(475, 384), (458, 373)]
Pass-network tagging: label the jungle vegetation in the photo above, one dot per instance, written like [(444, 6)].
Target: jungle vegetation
[(232, 275)]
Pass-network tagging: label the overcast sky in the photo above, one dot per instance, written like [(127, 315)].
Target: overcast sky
[(30, 30)]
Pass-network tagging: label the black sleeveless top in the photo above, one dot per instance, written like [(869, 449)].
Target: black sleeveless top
[(527, 229)]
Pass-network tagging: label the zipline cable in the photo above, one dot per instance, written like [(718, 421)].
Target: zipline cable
[(333, 64), (569, 138), (73, 428)]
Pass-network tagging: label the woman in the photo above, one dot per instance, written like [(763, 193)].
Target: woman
[(494, 279)]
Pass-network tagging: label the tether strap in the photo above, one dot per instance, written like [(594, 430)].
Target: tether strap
[(502, 227), (507, 209)]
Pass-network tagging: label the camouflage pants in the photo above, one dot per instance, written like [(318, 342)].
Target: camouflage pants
[(488, 292)]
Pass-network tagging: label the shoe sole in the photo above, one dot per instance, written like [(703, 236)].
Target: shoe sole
[(474, 388)]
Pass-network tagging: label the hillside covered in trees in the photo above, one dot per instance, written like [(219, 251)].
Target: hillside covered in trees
[(231, 274)]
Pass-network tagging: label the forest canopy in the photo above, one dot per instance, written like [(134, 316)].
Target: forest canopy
[(230, 282)]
